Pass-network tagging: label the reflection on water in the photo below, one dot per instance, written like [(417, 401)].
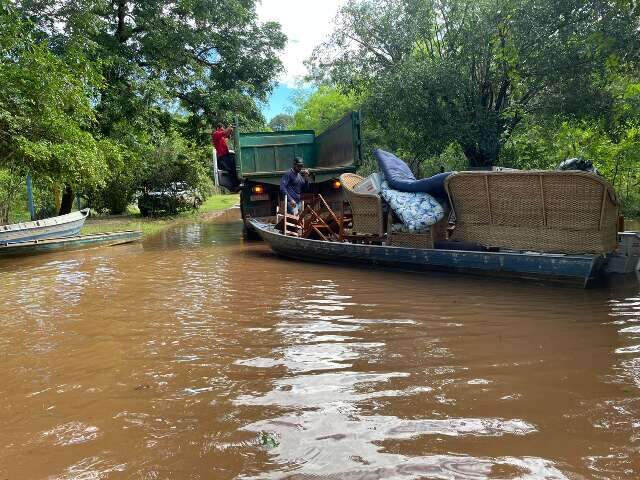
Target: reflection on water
[(329, 434), (196, 355)]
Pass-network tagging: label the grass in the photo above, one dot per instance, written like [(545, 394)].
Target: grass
[(219, 202), (149, 226)]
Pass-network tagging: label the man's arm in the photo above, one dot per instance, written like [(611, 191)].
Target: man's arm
[(284, 183)]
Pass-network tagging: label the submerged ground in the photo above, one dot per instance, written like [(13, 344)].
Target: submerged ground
[(197, 355)]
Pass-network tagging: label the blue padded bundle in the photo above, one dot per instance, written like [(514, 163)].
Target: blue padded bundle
[(399, 176)]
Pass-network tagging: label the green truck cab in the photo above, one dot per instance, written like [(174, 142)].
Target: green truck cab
[(263, 157)]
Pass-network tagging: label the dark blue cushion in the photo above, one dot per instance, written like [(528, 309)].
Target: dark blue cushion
[(399, 176)]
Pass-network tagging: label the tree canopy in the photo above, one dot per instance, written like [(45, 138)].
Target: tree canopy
[(90, 89), (442, 71), (281, 122), (210, 58), (46, 107), (320, 109)]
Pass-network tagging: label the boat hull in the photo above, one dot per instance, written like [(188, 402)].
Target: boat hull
[(68, 243), (581, 270), (54, 227)]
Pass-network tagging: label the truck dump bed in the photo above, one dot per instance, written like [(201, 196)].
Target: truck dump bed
[(265, 156)]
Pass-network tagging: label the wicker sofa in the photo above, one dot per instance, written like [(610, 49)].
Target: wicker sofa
[(545, 211)]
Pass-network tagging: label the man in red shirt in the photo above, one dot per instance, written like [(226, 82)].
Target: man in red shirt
[(226, 159), (219, 141)]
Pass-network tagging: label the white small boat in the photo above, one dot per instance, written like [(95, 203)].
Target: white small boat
[(54, 227)]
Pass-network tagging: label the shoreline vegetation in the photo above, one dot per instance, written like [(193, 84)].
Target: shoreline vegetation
[(213, 206)]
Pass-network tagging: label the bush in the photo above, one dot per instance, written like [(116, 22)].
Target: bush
[(154, 170), (174, 177), (10, 186)]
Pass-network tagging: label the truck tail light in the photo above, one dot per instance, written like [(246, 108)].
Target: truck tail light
[(336, 184), (258, 189)]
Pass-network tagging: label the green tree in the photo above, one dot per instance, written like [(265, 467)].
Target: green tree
[(174, 164), (320, 109), (281, 122), (46, 111), (167, 67), (442, 71), (211, 58)]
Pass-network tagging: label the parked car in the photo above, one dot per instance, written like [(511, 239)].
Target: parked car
[(177, 197)]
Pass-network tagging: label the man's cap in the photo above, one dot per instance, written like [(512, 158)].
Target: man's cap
[(298, 161)]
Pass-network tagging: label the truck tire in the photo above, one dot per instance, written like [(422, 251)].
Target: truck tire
[(249, 233)]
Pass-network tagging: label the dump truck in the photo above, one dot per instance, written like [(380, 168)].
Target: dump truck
[(263, 157)]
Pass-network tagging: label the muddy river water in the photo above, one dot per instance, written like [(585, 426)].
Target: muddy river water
[(195, 355)]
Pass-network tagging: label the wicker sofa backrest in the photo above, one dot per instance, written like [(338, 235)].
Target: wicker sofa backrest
[(568, 212), (366, 208)]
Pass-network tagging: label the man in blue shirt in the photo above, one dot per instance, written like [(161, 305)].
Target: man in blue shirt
[(293, 183)]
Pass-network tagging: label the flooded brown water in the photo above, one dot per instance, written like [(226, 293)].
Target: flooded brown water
[(195, 355)]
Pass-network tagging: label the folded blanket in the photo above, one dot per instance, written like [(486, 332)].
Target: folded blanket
[(416, 210), (400, 177)]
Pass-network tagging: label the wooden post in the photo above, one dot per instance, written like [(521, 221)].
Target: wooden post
[(486, 185), (284, 223), (32, 210), (604, 201), (214, 158), (544, 201)]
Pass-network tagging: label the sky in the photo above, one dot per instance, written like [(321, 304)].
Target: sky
[(306, 23)]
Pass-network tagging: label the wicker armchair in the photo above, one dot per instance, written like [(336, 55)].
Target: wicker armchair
[(368, 216), (545, 211)]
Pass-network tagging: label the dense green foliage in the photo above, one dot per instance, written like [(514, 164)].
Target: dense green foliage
[(318, 110), (45, 111), (517, 83), (281, 122), (104, 97), (111, 98)]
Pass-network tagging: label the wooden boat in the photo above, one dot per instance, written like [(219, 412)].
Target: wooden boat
[(54, 227), (33, 247), (582, 270)]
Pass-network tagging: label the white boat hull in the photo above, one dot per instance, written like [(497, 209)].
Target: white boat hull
[(54, 227)]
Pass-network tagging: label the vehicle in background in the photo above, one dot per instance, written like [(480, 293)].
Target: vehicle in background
[(175, 198), (263, 157)]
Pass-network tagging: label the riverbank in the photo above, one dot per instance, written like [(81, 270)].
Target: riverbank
[(109, 223)]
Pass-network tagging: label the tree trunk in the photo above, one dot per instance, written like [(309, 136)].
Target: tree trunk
[(4, 214), (121, 34), (57, 197), (480, 157), (10, 189), (67, 201), (480, 140)]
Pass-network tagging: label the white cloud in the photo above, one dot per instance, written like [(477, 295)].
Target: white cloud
[(306, 23)]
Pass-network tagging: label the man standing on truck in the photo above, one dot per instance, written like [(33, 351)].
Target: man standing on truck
[(293, 183), (219, 141), (226, 159)]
